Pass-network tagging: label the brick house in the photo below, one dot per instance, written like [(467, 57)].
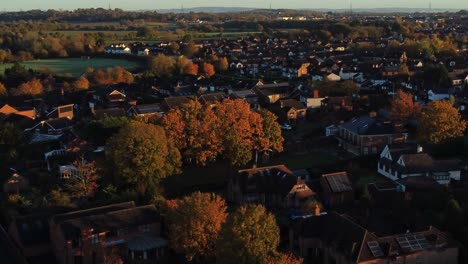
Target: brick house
[(334, 238), (289, 110), (369, 135), (86, 236), (274, 186)]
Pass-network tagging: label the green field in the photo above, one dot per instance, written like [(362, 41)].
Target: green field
[(73, 66)]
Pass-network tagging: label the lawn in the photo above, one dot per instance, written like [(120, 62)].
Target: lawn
[(73, 66)]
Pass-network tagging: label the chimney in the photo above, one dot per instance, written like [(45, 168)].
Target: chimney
[(316, 94), (317, 210)]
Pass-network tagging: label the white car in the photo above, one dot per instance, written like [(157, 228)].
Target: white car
[(286, 127)]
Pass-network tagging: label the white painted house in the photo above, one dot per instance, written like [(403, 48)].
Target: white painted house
[(402, 161)]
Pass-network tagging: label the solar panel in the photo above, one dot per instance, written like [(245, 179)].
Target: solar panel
[(375, 249), (413, 242)]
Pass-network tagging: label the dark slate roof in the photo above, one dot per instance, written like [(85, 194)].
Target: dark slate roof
[(333, 230), (270, 180), (338, 182), (366, 125), (291, 103)]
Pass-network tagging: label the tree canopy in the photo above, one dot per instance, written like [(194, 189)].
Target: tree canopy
[(249, 236), (141, 153), (194, 224), (31, 88), (403, 107), (440, 121)]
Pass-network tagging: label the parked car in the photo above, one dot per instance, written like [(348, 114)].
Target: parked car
[(286, 127)]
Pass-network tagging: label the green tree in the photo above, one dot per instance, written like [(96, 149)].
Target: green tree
[(194, 224), (162, 65), (141, 153), (249, 236), (440, 121), (272, 131), (349, 87)]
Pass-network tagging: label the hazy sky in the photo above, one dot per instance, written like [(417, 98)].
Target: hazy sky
[(162, 4)]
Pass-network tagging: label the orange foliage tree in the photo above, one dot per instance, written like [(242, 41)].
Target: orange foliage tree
[(440, 121), (81, 83), (403, 107), (3, 91), (208, 70), (281, 258), (84, 184), (32, 88), (194, 130), (241, 130), (194, 224)]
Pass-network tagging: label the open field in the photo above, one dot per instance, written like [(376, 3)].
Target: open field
[(73, 66), (106, 32)]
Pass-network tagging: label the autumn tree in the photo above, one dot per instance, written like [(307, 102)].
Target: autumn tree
[(403, 107), (31, 88), (194, 224), (241, 130), (222, 64), (194, 130), (208, 69), (141, 153), (113, 257), (81, 84), (440, 121), (281, 258), (120, 75), (272, 131), (185, 66), (249, 236), (3, 91), (162, 65), (189, 49), (84, 183)]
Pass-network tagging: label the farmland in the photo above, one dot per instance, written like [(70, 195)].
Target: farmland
[(73, 66)]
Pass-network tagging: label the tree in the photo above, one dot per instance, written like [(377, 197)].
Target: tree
[(436, 75), (272, 131), (81, 84), (208, 70), (31, 88), (250, 235), (59, 198), (189, 49), (281, 258), (326, 87), (403, 107), (222, 64), (439, 122), (113, 257), (194, 224), (241, 130), (349, 87), (84, 184), (185, 66), (194, 130), (141, 153), (3, 91), (162, 65)]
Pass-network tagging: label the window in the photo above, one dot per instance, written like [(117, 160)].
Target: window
[(94, 238), (145, 255), (366, 151)]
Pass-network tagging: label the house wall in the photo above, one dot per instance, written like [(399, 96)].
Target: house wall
[(29, 251)]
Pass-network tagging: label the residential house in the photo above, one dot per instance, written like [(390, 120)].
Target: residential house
[(290, 110), (398, 162), (52, 129), (29, 112), (62, 111), (314, 102), (146, 110), (211, 98), (109, 112), (274, 186), (333, 77), (175, 102), (86, 236), (335, 238), (334, 104), (118, 49), (248, 96), (369, 135), (116, 98), (439, 94), (272, 93), (337, 189), (31, 235)]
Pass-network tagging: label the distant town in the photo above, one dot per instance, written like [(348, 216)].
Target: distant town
[(262, 136)]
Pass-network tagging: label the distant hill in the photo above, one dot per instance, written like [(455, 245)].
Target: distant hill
[(357, 10), (206, 10)]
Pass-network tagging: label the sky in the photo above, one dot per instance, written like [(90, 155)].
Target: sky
[(16, 5)]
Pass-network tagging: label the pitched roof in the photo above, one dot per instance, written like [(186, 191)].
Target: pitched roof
[(338, 182)]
